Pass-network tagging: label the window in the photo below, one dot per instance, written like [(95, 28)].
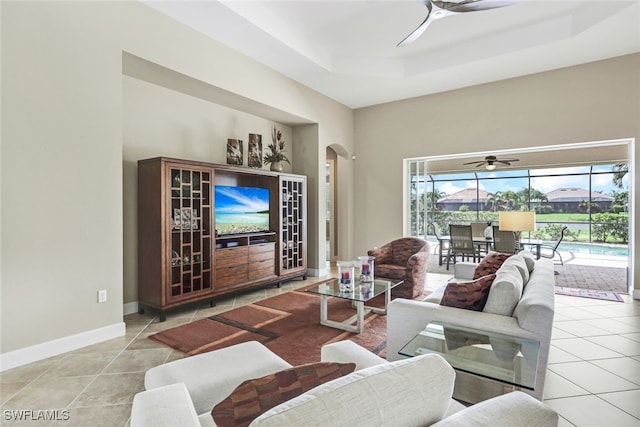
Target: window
[(591, 200)]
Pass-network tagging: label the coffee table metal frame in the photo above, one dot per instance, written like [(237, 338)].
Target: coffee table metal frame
[(358, 297)]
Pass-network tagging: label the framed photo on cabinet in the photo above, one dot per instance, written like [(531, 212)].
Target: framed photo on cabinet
[(234, 151), (254, 151)]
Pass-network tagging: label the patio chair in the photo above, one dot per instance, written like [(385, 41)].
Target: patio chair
[(477, 229), (461, 243), (478, 233), (443, 242), (551, 251), (504, 241)]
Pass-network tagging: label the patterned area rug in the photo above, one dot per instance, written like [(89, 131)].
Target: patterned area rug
[(589, 293), (288, 324), (593, 277)]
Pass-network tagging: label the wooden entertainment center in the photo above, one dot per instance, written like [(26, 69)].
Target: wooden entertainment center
[(184, 258)]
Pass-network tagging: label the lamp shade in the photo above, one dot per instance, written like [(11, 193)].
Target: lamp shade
[(517, 221)]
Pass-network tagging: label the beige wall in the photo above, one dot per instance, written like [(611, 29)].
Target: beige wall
[(64, 145), (593, 102)]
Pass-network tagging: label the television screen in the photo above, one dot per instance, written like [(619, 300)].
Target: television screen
[(241, 209)]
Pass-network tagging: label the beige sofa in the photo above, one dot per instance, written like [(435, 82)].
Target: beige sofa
[(520, 303), (411, 392)]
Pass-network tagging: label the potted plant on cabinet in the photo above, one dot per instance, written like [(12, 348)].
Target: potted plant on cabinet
[(276, 148)]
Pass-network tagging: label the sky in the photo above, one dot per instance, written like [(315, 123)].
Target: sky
[(602, 183)]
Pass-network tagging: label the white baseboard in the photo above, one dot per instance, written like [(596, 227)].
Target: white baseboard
[(318, 272), (130, 308), (37, 352), (636, 294)]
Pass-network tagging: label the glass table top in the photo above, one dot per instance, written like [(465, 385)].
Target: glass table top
[(508, 359), (359, 293)]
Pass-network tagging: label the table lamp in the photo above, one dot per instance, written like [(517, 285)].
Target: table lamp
[(517, 221)]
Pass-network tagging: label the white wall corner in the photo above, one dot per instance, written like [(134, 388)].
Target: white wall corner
[(318, 272), (37, 352), (130, 308)]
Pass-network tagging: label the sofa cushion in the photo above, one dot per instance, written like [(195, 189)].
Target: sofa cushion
[(529, 258), (256, 396), (390, 271), (490, 264), (469, 295), (407, 392), (518, 262), (505, 291)]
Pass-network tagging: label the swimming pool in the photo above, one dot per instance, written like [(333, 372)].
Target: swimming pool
[(594, 249)]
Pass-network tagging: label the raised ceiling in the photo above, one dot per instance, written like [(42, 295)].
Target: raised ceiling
[(346, 49)]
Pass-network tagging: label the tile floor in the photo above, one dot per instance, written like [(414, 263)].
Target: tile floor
[(593, 377)]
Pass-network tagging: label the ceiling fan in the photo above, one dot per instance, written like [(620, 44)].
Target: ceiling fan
[(490, 162), (438, 9)]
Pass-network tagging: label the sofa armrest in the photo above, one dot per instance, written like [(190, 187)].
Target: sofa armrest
[(210, 377), (168, 406), (418, 262), (406, 318), (512, 409), (347, 351), (383, 254)]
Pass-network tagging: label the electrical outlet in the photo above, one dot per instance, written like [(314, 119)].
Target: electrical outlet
[(102, 295)]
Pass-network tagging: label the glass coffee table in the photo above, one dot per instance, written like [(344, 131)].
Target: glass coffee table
[(502, 358), (359, 296)]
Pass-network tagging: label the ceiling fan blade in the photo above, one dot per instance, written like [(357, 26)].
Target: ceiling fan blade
[(418, 31), (481, 162), (473, 5), (504, 162)]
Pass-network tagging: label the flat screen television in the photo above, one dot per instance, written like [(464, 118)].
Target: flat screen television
[(241, 209)]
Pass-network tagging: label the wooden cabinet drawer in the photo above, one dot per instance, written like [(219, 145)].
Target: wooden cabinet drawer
[(235, 270), (231, 262), (222, 282), (238, 251), (262, 247), (260, 256), (262, 268)]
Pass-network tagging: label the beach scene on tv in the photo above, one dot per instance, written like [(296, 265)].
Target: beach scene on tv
[(241, 209)]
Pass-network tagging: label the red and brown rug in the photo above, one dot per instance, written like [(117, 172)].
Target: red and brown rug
[(288, 324)]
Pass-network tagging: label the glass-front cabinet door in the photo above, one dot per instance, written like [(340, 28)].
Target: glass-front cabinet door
[(293, 239), (189, 229)]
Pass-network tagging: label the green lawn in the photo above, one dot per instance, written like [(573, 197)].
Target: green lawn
[(562, 217)]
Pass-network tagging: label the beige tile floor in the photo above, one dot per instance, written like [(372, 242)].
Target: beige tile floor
[(593, 377)]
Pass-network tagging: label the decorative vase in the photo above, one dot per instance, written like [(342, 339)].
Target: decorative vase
[(346, 276), (276, 166)]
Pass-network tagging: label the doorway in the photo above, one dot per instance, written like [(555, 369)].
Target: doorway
[(331, 200)]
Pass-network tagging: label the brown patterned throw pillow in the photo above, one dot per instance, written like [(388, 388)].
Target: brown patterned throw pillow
[(468, 295), (490, 264), (254, 397)]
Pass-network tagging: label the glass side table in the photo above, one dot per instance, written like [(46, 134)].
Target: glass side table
[(503, 358)]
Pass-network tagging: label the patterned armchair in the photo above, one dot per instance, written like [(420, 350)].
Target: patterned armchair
[(403, 259)]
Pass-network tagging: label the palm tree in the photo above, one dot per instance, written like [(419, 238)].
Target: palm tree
[(536, 198), (432, 198), (496, 200), (619, 172)]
